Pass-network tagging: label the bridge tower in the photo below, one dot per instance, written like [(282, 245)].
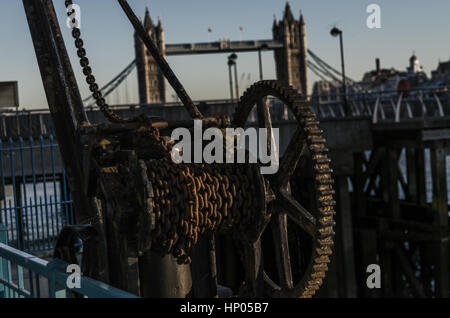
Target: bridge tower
[(152, 85), (290, 61)]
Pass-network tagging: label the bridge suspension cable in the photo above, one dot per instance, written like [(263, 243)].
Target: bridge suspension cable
[(318, 66), (324, 65), (323, 70), (114, 83), (316, 70)]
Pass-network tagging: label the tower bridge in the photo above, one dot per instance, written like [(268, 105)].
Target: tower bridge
[(292, 57), (225, 46), (288, 44)]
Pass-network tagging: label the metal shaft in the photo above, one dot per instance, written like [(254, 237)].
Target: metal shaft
[(67, 112), (344, 84), (60, 88), (260, 65), (230, 74), (236, 80)]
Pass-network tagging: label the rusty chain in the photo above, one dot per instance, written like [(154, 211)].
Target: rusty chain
[(90, 79), (194, 199), (162, 64)]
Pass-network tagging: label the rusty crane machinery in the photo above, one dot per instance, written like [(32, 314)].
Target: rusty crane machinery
[(160, 229)]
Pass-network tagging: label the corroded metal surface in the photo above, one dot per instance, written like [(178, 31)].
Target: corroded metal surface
[(318, 226), (145, 203), (192, 200)]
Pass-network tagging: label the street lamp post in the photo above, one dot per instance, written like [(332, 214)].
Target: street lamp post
[(232, 62), (236, 81), (230, 65), (337, 32), (260, 65), (261, 48)]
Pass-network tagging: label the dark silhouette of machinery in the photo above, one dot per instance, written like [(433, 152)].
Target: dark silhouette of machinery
[(156, 228)]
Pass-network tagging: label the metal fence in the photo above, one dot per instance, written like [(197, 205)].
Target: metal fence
[(386, 105), (25, 276), (35, 201)]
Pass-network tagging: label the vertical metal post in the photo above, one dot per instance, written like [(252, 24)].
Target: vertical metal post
[(344, 84), (162, 277), (3, 234), (439, 207), (5, 266), (62, 94), (230, 74), (16, 198), (17, 121), (236, 80), (66, 108), (260, 64)]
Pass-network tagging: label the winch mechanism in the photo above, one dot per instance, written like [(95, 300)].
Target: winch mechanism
[(285, 240)]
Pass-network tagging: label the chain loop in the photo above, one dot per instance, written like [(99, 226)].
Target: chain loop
[(192, 200), (90, 79)]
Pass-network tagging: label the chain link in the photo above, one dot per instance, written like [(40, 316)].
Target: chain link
[(90, 79), (194, 199)]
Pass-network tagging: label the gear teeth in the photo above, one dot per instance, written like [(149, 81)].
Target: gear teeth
[(317, 140), (327, 221), (311, 125), (327, 192), (327, 211), (320, 267), (306, 118), (324, 250), (323, 181), (325, 171), (328, 241), (318, 275), (323, 161), (328, 203), (322, 259), (326, 231), (315, 283), (318, 149), (315, 132)]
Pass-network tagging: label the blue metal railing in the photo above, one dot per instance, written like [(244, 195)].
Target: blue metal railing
[(25, 276), (35, 202)]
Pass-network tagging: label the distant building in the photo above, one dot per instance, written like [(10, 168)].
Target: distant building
[(152, 85), (379, 79), (290, 62), (441, 76), (382, 78), (414, 65), (328, 91), (415, 74), (387, 79)]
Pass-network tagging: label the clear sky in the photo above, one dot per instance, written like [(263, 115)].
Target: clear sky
[(407, 26)]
